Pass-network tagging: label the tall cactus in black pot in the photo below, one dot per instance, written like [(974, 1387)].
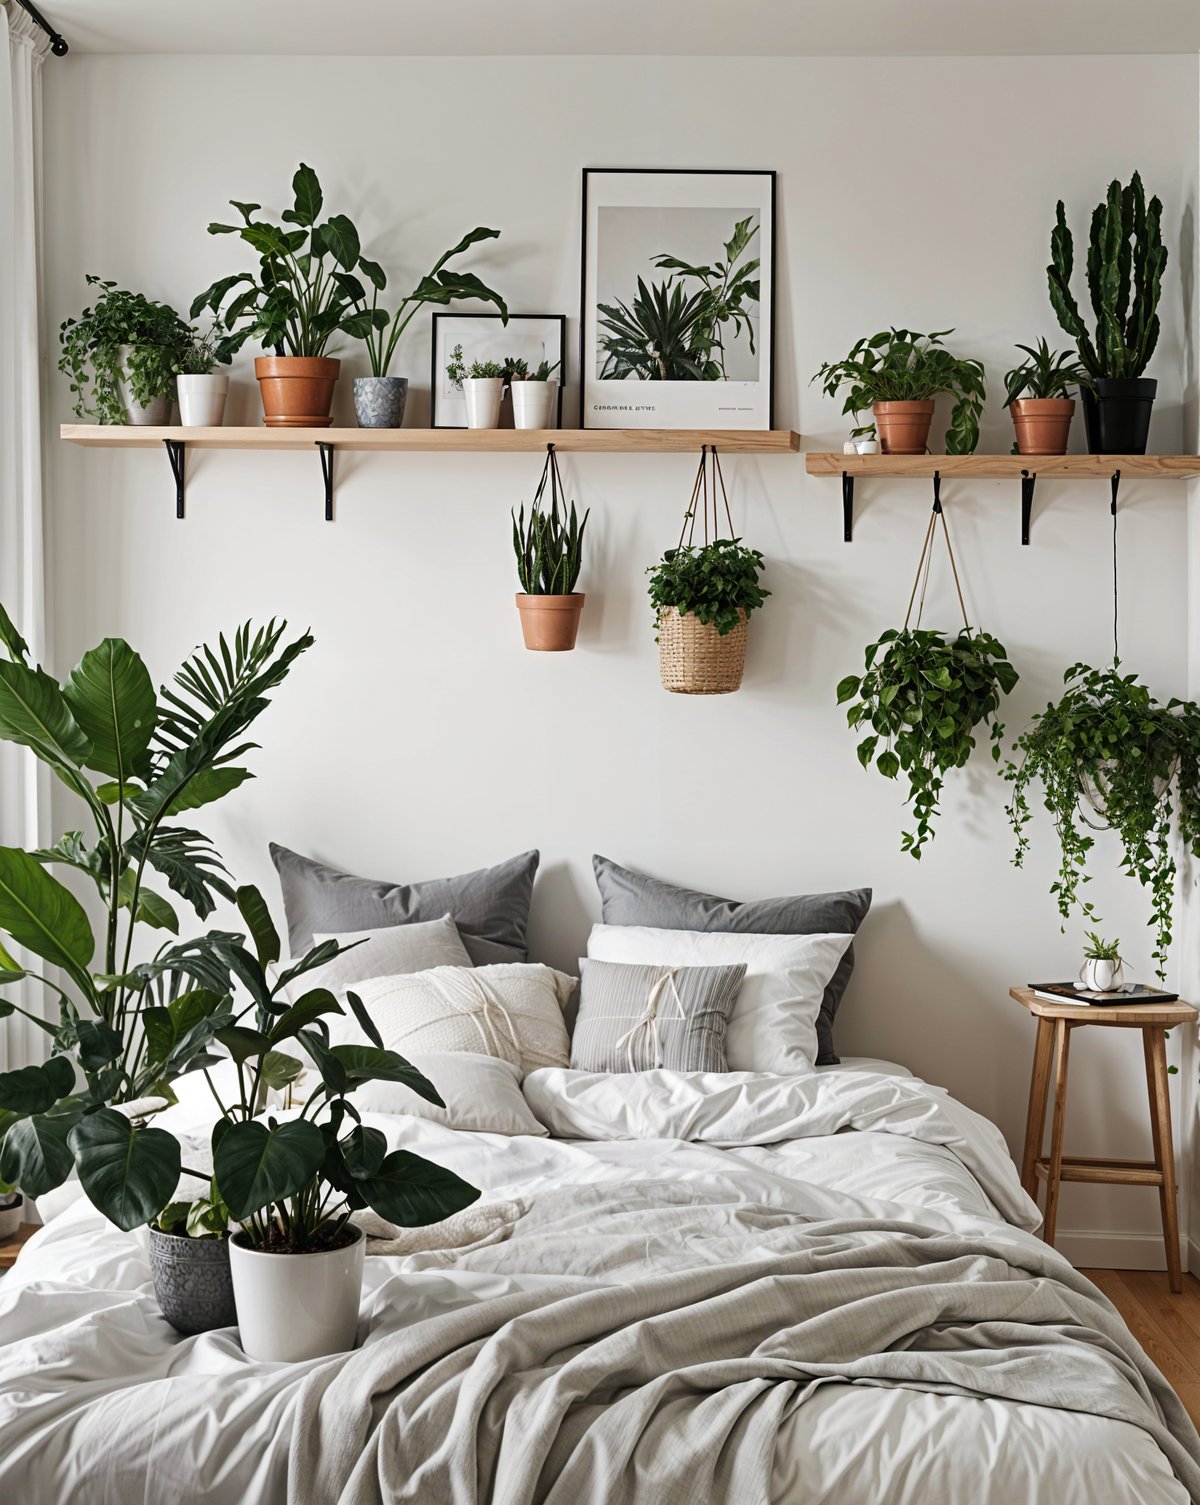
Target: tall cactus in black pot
[(1125, 264)]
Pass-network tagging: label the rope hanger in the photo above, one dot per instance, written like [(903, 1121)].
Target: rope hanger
[(925, 562), (700, 493)]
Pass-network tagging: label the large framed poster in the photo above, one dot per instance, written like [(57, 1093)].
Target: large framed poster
[(677, 299)]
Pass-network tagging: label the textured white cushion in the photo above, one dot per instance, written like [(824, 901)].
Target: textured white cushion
[(513, 1010), (481, 1093), (773, 1026), (386, 951)]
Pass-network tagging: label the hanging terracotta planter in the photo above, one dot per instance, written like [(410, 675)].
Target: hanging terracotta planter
[(1042, 424), (904, 426), (297, 390), (695, 659), (550, 624), (549, 554)]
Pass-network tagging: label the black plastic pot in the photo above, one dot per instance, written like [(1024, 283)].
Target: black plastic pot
[(1116, 416)]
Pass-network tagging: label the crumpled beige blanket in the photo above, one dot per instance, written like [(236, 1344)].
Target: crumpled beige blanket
[(474, 1227)]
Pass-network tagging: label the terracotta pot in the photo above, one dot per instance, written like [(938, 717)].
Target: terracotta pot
[(550, 623), (904, 426), (297, 390), (1043, 424)]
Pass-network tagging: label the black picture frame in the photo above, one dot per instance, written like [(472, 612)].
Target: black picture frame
[(436, 364), (768, 315)]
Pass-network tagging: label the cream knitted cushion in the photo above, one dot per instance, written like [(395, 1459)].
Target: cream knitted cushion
[(513, 1010)]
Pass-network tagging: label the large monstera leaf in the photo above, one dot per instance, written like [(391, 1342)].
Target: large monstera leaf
[(111, 696), (129, 1174)]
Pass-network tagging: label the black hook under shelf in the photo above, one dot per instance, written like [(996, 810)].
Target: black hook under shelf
[(1115, 483), (847, 507), (1028, 482), (175, 454), (326, 452)]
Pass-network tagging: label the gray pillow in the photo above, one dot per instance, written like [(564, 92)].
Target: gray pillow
[(490, 907), (635, 1018), (629, 898)]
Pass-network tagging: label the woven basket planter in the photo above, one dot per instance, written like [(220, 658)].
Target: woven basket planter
[(693, 657)]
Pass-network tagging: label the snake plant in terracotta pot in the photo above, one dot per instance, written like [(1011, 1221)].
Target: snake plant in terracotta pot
[(549, 553)]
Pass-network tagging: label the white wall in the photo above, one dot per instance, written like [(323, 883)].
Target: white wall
[(418, 738)]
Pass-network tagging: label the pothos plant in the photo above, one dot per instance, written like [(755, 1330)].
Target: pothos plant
[(718, 582), (923, 697), (122, 336), (1109, 755)]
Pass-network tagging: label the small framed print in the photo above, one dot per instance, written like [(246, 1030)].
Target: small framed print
[(532, 338), (677, 302)]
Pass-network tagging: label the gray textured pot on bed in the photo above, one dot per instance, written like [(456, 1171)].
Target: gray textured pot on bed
[(192, 1281)]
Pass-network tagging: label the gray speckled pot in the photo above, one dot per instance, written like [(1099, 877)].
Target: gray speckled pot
[(379, 401), (192, 1281)]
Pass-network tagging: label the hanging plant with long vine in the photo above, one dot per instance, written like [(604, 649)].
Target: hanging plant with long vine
[(923, 696)]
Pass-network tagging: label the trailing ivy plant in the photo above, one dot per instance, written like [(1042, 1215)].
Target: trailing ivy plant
[(1108, 755), (923, 696), (716, 581), (155, 341)]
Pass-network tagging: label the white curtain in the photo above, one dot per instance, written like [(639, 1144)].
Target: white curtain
[(24, 796)]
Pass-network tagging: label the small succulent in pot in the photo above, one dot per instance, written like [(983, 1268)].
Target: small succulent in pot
[(1103, 969), (202, 389), (128, 349), (922, 696), (533, 392), (482, 385), (549, 553), (1038, 394)]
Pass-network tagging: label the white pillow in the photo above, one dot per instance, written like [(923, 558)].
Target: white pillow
[(773, 1027), (386, 951), (481, 1093), (513, 1010)]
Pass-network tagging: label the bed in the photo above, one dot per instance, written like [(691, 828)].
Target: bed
[(825, 1289)]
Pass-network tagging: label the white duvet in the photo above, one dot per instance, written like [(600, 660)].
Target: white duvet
[(100, 1401)]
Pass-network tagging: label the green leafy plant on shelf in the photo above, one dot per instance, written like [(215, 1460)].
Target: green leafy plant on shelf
[(459, 370), (204, 354), (380, 331), (899, 365), (1047, 373), (717, 582), (549, 548), (122, 336), (922, 699), (1108, 755), (1125, 264)]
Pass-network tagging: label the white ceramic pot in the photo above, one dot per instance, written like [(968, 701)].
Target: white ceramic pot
[(533, 403), (11, 1219), (297, 1306), (483, 395), (202, 399), (156, 411), (1101, 976)]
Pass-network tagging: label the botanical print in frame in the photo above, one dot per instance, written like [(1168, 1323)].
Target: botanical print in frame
[(485, 337), (677, 298)]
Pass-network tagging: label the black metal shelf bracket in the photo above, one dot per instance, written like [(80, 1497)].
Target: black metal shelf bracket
[(1115, 483), (847, 507), (326, 452), (1028, 482), (175, 453)]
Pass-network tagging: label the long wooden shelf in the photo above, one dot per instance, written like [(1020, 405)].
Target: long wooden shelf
[(1001, 467), (439, 441), (1027, 469)]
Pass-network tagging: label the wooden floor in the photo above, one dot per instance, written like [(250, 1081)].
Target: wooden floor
[(1167, 1327)]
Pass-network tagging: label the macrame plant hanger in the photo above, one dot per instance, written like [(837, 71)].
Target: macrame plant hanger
[(550, 472), (701, 493), (924, 564)]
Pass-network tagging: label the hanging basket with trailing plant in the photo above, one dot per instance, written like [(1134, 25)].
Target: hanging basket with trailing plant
[(703, 595), (1109, 756), (549, 550), (925, 694)]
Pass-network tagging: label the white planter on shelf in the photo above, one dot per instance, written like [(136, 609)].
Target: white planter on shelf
[(483, 394), (1101, 976), (202, 399), (297, 1306), (533, 403)]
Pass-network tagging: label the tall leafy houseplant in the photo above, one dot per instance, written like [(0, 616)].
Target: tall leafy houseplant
[(549, 554), (1126, 260), (897, 374), (125, 1028), (1109, 755), (123, 340)]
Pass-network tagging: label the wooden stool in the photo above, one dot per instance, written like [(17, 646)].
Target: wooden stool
[(1055, 1021)]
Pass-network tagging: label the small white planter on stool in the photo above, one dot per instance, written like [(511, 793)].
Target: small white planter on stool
[(297, 1306)]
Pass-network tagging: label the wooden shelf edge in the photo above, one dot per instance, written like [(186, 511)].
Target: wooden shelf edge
[(439, 441), (1001, 467)]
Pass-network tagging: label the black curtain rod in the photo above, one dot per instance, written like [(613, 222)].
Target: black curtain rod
[(58, 44)]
